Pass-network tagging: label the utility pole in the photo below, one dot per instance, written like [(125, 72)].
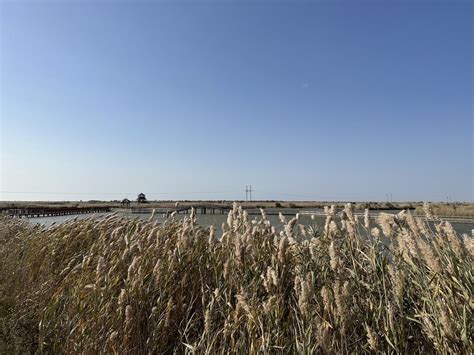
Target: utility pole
[(250, 191), (246, 192)]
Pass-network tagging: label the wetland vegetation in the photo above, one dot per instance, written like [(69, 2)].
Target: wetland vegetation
[(134, 286)]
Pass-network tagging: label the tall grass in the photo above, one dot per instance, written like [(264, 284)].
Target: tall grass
[(450, 209), (133, 286)]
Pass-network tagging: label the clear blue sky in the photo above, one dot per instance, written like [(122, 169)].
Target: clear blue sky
[(338, 100)]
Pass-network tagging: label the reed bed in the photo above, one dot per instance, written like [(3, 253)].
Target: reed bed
[(116, 285), (450, 209)]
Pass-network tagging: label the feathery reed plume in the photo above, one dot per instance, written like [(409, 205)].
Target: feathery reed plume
[(367, 219), (446, 323), (330, 213), (289, 227), (386, 222), (239, 250), (454, 240), (132, 269), (212, 235), (230, 219), (333, 229), (192, 216), (350, 226), (469, 244), (282, 218), (271, 279), (398, 280), (128, 316), (152, 215), (304, 297), (410, 220), (428, 211), (270, 304), (348, 212), (375, 232), (282, 249), (303, 230), (226, 273), (242, 307), (333, 257), (422, 227), (326, 299), (341, 295), (429, 256), (408, 244), (100, 269)]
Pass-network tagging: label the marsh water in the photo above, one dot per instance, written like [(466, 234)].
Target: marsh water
[(206, 220)]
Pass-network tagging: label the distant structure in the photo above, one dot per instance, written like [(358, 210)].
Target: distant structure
[(125, 202), (141, 198), (248, 193)]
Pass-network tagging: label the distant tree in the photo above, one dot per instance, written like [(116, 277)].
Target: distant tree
[(141, 198)]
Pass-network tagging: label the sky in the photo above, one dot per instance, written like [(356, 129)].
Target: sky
[(303, 100)]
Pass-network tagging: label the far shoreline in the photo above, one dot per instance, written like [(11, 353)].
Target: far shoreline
[(441, 209)]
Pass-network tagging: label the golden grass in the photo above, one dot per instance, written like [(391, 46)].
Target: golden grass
[(132, 286), (450, 209)]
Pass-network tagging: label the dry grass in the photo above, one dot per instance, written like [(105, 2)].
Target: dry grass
[(451, 209), (132, 286)]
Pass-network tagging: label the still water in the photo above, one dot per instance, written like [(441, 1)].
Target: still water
[(217, 219)]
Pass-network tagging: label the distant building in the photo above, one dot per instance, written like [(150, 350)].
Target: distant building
[(141, 197), (125, 202)]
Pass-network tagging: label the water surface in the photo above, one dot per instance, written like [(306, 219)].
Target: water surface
[(217, 219)]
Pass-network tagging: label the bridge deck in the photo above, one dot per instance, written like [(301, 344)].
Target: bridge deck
[(33, 212)]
